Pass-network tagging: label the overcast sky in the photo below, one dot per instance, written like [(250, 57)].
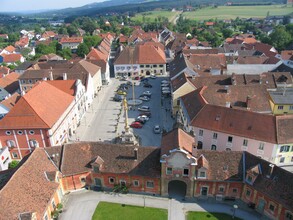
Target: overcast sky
[(29, 5)]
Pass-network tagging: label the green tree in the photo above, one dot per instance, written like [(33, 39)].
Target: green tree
[(92, 41), (82, 50), (227, 32), (280, 38), (65, 53), (13, 164), (72, 30)]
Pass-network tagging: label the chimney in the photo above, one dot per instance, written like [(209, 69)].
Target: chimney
[(271, 170), (233, 79), (227, 89), (22, 93), (135, 153), (64, 76), (248, 102), (51, 76), (228, 104)]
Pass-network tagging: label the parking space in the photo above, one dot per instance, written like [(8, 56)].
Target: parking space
[(160, 108)]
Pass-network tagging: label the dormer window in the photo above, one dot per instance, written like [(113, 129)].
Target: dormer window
[(169, 171), (96, 169), (185, 172), (202, 174), (249, 179)]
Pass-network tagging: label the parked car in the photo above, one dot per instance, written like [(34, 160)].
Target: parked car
[(157, 129), (144, 108), (144, 98), (166, 92), (153, 76), (141, 120), (121, 92), (148, 114), (123, 78), (144, 79), (165, 85), (144, 117), (118, 98), (136, 78), (148, 93), (136, 124), (164, 82), (165, 88), (147, 85)]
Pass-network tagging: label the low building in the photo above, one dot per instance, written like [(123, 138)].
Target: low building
[(141, 60), (11, 59), (46, 116), (71, 42), (281, 101), (35, 184)]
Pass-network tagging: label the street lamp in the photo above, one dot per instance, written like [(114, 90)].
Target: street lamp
[(234, 210)]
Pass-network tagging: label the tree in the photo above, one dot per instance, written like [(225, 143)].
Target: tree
[(280, 38), (227, 32), (13, 164), (92, 41), (82, 50), (65, 53), (72, 30)]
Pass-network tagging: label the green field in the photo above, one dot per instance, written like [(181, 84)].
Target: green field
[(115, 211), (209, 216), (151, 15), (232, 12)]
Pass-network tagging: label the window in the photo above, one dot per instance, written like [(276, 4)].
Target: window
[(200, 132), (230, 139), (122, 183), (234, 190), (282, 159), (31, 132), (214, 147), (199, 145), (178, 102), (53, 204), (11, 143), (280, 107), (261, 146), (8, 132), (19, 132), (202, 174), (272, 207), (215, 135), (141, 71), (161, 65), (147, 66), (169, 171), (30, 81), (291, 159), (135, 182), (150, 184), (155, 65), (45, 217), (245, 142), (221, 189), (285, 148), (185, 172), (83, 179), (291, 107), (14, 155), (248, 193), (228, 149), (111, 180), (96, 169), (249, 179), (33, 143), (288, 216)]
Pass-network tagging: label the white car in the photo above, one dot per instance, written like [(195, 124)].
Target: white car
[(165, 82), (153, 76), (157, 129), (144, 108), (143, 117), (165, 85), (144, 98), (165, 89), (166, 92), (147, 93)]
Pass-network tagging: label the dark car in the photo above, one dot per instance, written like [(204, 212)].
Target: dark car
[(147, 85), (136, 78), (142, 121), (118, 98)]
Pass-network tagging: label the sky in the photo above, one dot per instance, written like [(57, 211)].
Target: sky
[(30, 5)]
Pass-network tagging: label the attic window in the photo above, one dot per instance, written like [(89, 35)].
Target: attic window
[(217, 117), (225, 167)]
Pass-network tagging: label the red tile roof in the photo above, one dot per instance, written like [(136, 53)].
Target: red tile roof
[(4, 70), (10, 82), (95, 54), (177, 138), (237, 122), (41, 107), (28, 190), (11, 58), (67, 86), (10, 49), (71, 40)]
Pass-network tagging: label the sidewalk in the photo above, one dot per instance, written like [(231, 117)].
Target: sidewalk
[(81, 205)]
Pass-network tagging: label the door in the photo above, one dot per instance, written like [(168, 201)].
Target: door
[(261, 206), (98, 182), (204, 191)]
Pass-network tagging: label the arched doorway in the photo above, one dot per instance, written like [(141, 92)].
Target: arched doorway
[(177, 189), (148, 73)]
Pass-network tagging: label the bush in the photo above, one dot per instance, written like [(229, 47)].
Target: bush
[(13, 164)]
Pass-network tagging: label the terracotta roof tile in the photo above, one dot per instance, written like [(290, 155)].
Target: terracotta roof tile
[(11, 58), (95, 54), (30, 185), (117, 158), (67, 86), (237, 122), (41, 107), (71, 40), (10, 49), (10, 82), (177, 138)]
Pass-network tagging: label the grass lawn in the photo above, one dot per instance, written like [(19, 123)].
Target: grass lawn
[(232, 12), (115, 211), (151, 15), (209, 216)]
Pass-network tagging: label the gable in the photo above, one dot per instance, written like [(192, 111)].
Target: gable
[(178, 160)]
